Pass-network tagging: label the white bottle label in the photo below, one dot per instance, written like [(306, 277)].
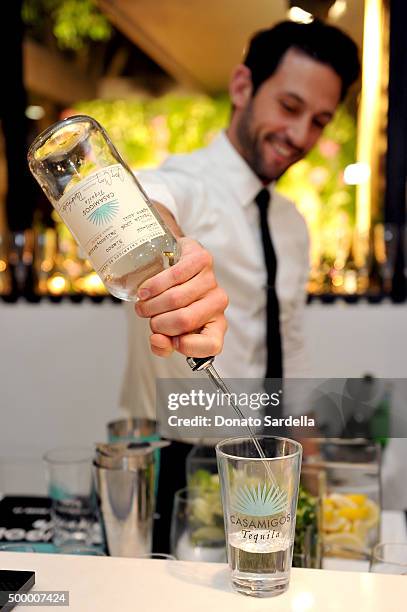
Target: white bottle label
[(108, 216)]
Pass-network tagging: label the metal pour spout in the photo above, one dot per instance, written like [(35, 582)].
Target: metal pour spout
[(199, 364)]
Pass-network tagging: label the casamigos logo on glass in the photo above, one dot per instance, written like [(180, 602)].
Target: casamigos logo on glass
[(265, 500), (105, 213)]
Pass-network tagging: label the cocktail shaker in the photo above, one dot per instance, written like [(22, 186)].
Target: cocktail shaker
[(125, 476), (132, 429)]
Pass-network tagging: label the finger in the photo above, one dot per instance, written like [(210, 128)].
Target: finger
[(208, 342), (179, 296), (188, 266), (161, 345), (191, 318)]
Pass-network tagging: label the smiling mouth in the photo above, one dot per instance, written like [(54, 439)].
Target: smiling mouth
[(284, 151)]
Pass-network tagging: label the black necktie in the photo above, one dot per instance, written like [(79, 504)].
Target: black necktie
[(274, 367)]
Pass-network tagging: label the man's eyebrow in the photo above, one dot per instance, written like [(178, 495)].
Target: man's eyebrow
[(300, 100), (326, 114), (295, 96)]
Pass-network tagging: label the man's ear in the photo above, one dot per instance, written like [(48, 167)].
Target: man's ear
[(240, 86)]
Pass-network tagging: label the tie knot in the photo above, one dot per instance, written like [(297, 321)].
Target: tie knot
[(262, 199)]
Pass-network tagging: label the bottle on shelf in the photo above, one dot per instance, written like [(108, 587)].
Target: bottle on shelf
[(375, 286), (351, 275), (5, 277), (21, 266), (380, 421)]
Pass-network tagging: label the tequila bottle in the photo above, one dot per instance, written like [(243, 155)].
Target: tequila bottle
[(102, 203)]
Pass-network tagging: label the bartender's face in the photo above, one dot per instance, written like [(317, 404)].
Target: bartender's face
[(284, 119)]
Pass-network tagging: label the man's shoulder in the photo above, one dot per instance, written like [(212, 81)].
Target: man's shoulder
[(180, 184), (186, 164), (289, 206), (291, 214), (179, 172), (178, 165)]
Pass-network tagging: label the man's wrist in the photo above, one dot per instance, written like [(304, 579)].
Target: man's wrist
[(168, 219)]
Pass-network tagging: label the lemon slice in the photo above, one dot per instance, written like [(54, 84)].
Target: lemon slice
[(354, 514), (334, 523), (342, 501), (372, 515), (360, 529), (358, 498), (347, 527), (344, 540)]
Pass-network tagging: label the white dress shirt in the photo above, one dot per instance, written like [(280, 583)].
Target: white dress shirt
[(211, 192)]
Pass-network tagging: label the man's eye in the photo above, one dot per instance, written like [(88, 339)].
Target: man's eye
[(319, 124), (288, 107)]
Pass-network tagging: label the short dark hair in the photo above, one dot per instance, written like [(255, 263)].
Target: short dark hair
[(322, 42)]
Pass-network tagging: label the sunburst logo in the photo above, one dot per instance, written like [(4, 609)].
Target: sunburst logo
[(260, 501), (105, 213)]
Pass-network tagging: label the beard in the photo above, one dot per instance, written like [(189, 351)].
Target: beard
[(251, 149)]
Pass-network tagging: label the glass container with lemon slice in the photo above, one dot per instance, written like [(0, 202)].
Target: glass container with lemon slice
[(351, 504)]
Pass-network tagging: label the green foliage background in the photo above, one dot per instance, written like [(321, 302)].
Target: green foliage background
[(317, 186), (146, 131), (74, 22)]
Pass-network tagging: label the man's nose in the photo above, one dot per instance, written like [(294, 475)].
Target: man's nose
[(299, 132)]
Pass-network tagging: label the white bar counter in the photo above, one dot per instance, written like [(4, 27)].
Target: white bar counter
[(105, 584)]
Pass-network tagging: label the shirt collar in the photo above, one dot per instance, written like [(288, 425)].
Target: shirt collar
[(236, 172)]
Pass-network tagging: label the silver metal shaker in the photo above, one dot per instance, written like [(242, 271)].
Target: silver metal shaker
[(124, 476), (132, 428)]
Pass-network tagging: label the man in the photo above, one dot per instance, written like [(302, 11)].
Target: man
[(283, 95)]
